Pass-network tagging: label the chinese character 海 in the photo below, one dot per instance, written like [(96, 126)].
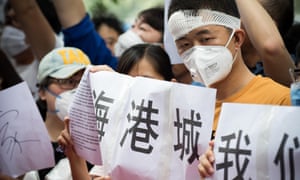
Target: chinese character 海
[(141, 130), (101, 111)]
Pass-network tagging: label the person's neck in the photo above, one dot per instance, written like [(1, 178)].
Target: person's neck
[(54, 126), (238, 78), (251, 58)]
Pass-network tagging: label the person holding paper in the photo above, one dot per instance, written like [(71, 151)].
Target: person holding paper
[(59, 71), (145, 60), (211, 49), (209, 37)]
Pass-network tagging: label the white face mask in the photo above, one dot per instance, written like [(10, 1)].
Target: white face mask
[(62, 103), (208, 64), (125, 41)]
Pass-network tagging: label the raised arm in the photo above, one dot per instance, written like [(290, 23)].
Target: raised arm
[(70, 12), (38, 31), (79, 31), (266, 39)]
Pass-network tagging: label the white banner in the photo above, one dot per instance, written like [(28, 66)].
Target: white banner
[(150, 129), (258, 142)]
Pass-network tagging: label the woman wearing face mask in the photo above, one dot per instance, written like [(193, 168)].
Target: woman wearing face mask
[(140, 60), (148, 28), (59, 72)]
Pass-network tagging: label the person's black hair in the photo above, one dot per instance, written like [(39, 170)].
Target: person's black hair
[(156, 55), (225, 6), (154, 17), (109, 20), (282, 12)]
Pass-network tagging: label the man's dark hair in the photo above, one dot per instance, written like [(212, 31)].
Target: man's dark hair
[(110, 20), (225, 6)]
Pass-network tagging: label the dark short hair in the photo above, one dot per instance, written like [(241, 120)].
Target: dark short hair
[(110, 20), (225, 6), (156, 56)]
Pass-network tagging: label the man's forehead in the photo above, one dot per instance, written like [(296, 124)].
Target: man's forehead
[(205, 30), (183, 22)]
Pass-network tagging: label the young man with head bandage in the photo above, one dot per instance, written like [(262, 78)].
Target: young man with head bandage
[(208, 37)]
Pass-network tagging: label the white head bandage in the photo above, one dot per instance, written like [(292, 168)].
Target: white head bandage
[(182, 22)]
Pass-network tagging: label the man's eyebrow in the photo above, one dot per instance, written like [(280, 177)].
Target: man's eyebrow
[(204, 31), (201, 32), (181, 38)]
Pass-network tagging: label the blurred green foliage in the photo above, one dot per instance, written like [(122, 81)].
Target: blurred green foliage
[(125, 10)]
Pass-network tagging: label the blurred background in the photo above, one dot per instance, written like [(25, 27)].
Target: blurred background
[(297, 10), (126, 10)]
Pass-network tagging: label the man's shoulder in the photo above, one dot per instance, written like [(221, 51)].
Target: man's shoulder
[(266, 82), (270, 92)]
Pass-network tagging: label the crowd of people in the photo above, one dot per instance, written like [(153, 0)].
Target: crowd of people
[(250, 43)]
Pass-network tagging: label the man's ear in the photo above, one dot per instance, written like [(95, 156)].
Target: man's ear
[(239, 38)]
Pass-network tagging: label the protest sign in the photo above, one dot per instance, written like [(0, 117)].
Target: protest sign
[(150, 129), (24, 141), (257, 142)]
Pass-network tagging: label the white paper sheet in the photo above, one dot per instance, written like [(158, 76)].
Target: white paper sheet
[(138, 121), (140, 144), (24, 141), (83, 127), (262, 129)]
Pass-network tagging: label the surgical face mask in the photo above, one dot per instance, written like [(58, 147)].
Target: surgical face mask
[(209, 64), (16, 39), (125, 41), (62, 102)]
